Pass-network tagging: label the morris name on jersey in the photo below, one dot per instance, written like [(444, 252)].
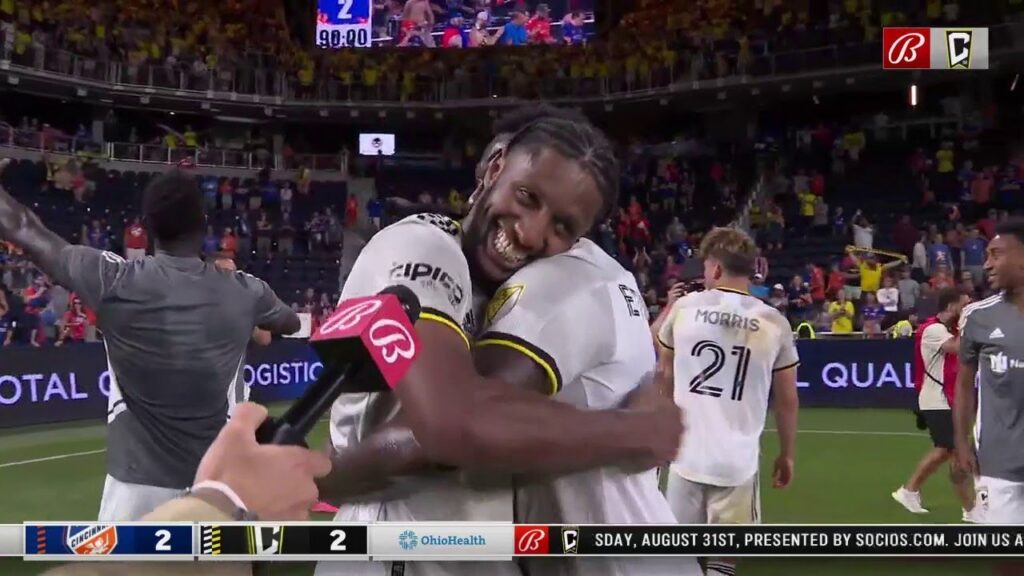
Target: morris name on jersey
[(728, 320)]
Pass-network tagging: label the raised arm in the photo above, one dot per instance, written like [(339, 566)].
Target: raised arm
[(21, 226), (895, 263)]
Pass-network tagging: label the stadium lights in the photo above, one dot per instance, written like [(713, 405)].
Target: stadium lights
[(913, 95)]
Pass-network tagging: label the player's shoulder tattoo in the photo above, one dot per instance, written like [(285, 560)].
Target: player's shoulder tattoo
[(446, 224)]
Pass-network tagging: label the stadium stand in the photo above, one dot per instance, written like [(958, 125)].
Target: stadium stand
[(862, 205)]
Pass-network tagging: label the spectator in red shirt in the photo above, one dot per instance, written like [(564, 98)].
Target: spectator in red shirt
[(641, 232), (452, 37), (351, 211), (76, 322), (135, 240), (905, 235), (942, 279), (836, 281), (229, 243), (816, 280), (817, 183), (987, 225), (538, 28)]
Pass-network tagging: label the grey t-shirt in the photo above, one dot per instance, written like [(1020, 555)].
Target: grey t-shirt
[(910, 291), (992, 336), (175, 331)]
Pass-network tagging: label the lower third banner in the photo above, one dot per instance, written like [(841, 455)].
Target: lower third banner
[(770, 540)]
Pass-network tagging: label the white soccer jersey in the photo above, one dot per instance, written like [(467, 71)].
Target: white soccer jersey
[(424, 253), (580, 316), (727, 345)]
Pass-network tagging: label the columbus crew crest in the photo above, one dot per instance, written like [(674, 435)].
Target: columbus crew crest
[(503, 302), (90, 540), (449, 226)]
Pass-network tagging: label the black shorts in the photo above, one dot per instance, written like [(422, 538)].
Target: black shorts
[(940, 427)]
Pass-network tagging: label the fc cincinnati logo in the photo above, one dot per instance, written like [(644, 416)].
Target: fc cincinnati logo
[(90, 539)]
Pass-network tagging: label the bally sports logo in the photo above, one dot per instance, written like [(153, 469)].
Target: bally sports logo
[(906, 48), (90, 540), (382, 326), (532, 540)]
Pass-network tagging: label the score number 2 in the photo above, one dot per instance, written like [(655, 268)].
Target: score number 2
[(345, 12), (163, 541), (337, 540)]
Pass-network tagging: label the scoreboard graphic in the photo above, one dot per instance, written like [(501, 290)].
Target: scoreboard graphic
[(476, 541), (344, 23), (109, 541), (284, 541)]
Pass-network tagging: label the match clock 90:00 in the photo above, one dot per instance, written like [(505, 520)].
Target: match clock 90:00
[(350, 37)]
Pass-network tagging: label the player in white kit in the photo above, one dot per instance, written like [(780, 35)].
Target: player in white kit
[(581, 319), (727, 351), (539, 195)]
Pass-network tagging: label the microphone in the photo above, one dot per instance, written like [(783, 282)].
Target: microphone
[(366, 345)]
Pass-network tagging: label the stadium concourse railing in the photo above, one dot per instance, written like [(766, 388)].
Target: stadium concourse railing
[(51, 141), (451, 85)]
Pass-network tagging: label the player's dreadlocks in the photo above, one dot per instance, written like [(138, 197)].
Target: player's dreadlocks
[(509, 124), (574, 137)]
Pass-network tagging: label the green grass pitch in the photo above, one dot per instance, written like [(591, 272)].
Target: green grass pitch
[(848, 463)]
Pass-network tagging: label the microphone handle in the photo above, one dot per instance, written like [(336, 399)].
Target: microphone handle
[(318, 398), (300, 418)]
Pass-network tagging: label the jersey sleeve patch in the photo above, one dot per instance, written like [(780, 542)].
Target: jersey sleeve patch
[(503, 302), (542, 358)]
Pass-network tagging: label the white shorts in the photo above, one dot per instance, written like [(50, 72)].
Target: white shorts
[(1001, 501), (696, 503), (125, 502)]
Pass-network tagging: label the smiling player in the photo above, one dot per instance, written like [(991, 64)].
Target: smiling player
[(544, 187)]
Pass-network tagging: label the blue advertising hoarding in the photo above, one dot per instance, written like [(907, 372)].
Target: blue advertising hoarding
[(44, 385)]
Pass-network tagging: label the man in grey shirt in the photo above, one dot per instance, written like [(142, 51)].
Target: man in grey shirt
[(175, 330), (909, 290), (992, 348)]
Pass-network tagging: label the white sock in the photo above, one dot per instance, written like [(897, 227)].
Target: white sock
[(720, 568)]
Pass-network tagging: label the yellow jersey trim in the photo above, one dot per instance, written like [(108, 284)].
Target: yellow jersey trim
[(442, 319), (532, 355)]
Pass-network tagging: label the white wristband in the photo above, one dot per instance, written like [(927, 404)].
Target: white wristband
[(223, 489)]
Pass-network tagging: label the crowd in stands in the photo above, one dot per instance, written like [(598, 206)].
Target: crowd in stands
[(925, 226), (254, 46), (257, 223)]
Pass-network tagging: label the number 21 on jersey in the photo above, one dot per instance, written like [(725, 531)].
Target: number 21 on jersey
[(705, 382)]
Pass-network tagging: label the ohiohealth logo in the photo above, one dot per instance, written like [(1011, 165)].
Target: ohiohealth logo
[(408, 540)]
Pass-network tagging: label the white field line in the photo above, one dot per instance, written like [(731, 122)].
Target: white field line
[(70, 455), (49, 458), (833, 432)]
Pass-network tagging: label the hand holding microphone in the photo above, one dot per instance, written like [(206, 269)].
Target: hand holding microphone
[(272, 482)]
